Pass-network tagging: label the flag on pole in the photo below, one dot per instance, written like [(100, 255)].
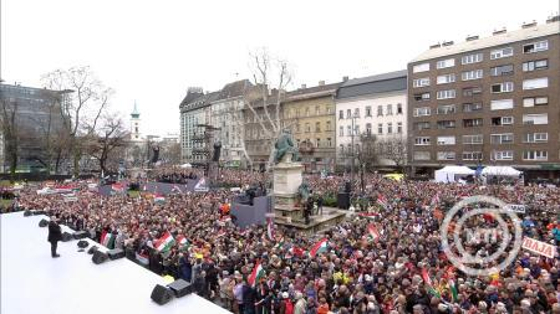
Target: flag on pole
[(454, 291), (107, 239), (382, 200), (428, 282), (319, 247), (256, 274), (159, 198), (182, 241), (164, 243), (270, 229), (373, 233)]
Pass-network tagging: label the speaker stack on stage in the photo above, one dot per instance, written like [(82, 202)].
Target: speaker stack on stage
[(67, 237), (43, 223), (99, 257), (179, 288), (80, 235), (116, 254)]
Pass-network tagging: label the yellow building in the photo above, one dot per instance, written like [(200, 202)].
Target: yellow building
[(310, 114)]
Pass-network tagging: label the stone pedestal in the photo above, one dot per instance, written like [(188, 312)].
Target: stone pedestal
[(287, 179)]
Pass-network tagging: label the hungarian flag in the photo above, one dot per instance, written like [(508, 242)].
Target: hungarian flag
[(159, 198), (382, 200), (270, 229), (164, 243), (319, 247), (296, 251), (373, 233), (453, 287), (143, 258), (429, 283), (280, 243), (256, 274), (182, 241), (107, 239)]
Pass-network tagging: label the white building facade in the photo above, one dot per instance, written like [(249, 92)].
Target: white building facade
[(376, 106)]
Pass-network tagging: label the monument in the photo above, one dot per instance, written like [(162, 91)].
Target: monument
[(291, 192)]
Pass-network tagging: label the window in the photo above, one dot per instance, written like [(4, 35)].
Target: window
[(422, 126), (379, 110), (318, 142), (399, 108), (357, 130), (317, 110), (328, 109), (423, 67), (501, 53), (368, 111), (422, 112), (506, 138), (471, 123), (317, 126), (501, 104), (504, 87), (446, 140), (536, 138), (446, 155), (445, 109), (307, 128), (422, 97), (422, 141), (472, 107), (539, 118), (473, 58), (536, 46), (341, 149), (348, 113), (446, 124), (368, 128), (535, 65), (380, 128), (349, 130), (298, 129), (329, 142), (447, 63), (421, 155), (474, 139), (472, 155), (340, 114), (535, 101), (357, 112), (535, 155), (328, 128), (307, 112), (502, 70), (298, 113), (471, 91), (399, 127), (446, 94), (389, 128), (446, 78), (503, 155), (389, 109), (471, 75), (341, 131), (421, 82), (541, 82), (497, 121)]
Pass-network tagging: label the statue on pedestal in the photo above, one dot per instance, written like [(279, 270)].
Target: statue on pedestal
[(285, 147)]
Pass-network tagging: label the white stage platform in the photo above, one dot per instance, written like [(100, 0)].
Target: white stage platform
[(34, 282)]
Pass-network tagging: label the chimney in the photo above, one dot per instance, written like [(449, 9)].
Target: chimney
[(500, 31), (435, 46), (552, 19), (527, 25), (345, 78), (447, 43), (471, 38), (321, 83), (303, 86)]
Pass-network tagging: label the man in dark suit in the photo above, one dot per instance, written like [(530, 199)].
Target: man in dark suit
[(55, 235)]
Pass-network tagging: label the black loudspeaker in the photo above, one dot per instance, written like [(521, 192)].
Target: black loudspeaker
[(347, 187), (116, 254), (161, 295), (343, 200), (180, 288), (92, 249), (66, 237), (82, 244), (99, 257), (27, 213), (43, 223), (80, 235)]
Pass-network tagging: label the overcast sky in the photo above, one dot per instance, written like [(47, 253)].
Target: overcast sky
[(151, 51)]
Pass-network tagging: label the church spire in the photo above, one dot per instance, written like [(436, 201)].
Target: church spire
[(135, 113)]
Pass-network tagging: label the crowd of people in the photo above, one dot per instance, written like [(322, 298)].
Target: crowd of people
[(398, 268)]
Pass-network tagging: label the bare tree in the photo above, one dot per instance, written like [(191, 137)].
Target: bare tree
[(265, 105), (81, 109), (368, 153), (394, 148), (10, 132), (110, 136), (171, 153)]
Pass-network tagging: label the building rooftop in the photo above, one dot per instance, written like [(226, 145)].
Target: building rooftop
[(312, 92), (499, 38), (374, 84)]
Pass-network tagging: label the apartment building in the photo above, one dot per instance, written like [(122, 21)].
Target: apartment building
[(490, 101)]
